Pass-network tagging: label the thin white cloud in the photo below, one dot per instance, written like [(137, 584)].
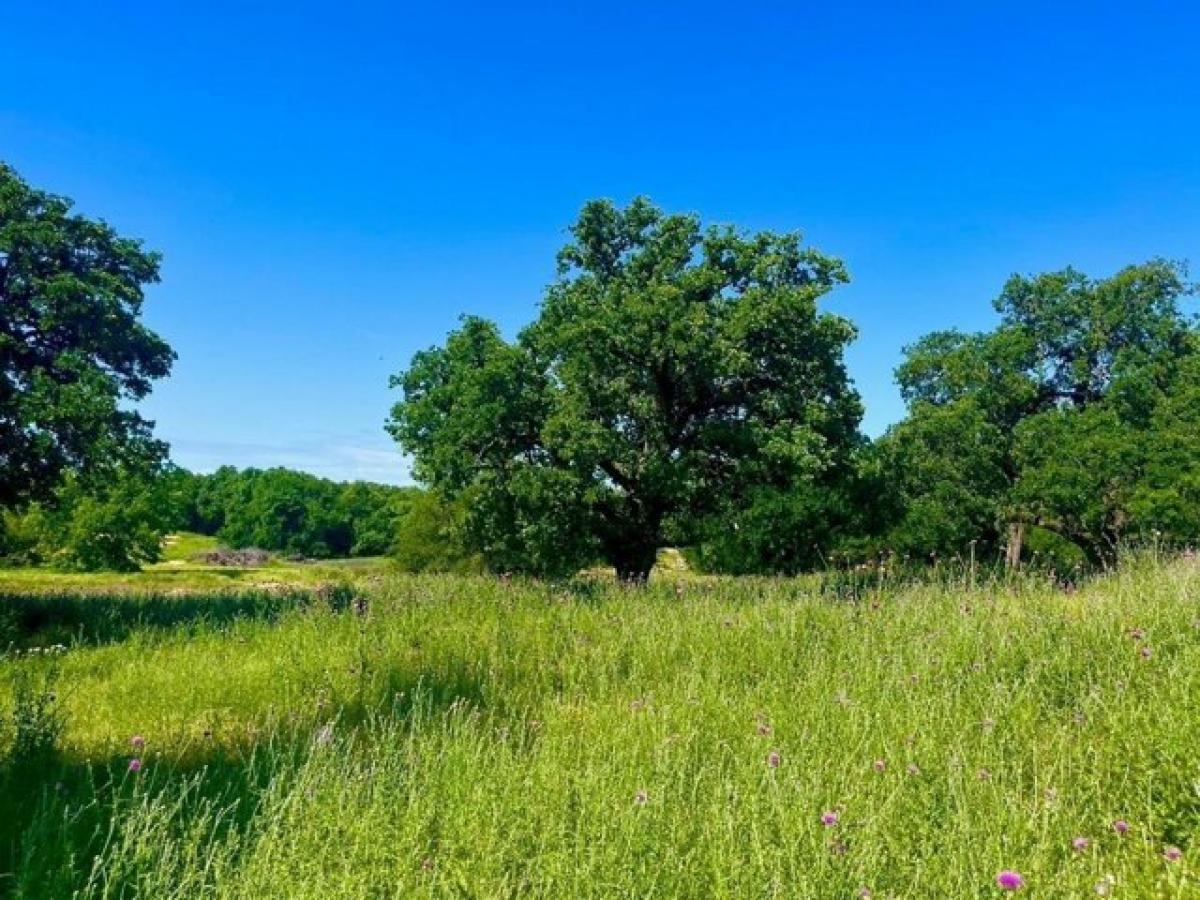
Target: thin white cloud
[(341, 460)]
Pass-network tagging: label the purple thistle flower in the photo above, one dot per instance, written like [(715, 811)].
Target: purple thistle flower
[(774, 759), (1009, 880), (135, 765), (1146, 652), (829, 818), (1172, 854), (1120, 826), (1080, 844)]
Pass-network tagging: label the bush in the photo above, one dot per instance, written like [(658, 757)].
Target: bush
[(430, 538)]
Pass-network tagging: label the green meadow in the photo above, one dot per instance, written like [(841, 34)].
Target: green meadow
[(389, 735)]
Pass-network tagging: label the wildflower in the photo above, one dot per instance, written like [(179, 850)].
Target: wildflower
[(1080, 844), (1146, 652), (135, 765), (137, 742), (1137, 634), (879, 765), (1009, 880), (774, 759), (641, 798), (764, 729), (1172, 854), (1120, 826), (830, 818), (1105, 885)]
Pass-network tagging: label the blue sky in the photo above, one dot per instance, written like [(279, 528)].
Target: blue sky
[(333, 184)]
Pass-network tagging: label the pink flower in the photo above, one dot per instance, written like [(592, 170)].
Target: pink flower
[(1120, 826), (774, 759), (1009, 880), (137, 742), (1080, 844), (829, 818), (135, 765), (1172, 854)]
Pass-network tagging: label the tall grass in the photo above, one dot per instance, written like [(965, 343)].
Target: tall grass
[(468, 737)]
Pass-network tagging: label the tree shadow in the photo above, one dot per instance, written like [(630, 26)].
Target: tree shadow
[(58, 811), (42, 620)]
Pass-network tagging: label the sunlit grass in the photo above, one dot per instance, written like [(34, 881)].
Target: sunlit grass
[(467, 737)]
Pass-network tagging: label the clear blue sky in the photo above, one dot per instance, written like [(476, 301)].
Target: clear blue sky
[(332, 184)]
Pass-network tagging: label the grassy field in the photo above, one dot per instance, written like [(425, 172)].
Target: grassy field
[(458, 737), (179, 571)]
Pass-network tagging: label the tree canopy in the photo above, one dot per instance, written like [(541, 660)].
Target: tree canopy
[(1054, 419), (673, 370), (73, 348)]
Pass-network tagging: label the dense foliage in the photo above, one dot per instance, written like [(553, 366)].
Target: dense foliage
[(294, 513), (675, 377), (1075, 415), (73, 350)]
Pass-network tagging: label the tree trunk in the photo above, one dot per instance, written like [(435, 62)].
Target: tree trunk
[(1016, 537), (633, 562)]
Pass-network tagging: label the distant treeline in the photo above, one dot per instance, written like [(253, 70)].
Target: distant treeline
[(291, 512), (120, 525)]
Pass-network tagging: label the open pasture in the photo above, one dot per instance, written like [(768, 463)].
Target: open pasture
[(451, 736)]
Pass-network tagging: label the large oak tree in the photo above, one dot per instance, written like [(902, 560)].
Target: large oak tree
[(73, 351), (673, 370), (1054, 419)]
